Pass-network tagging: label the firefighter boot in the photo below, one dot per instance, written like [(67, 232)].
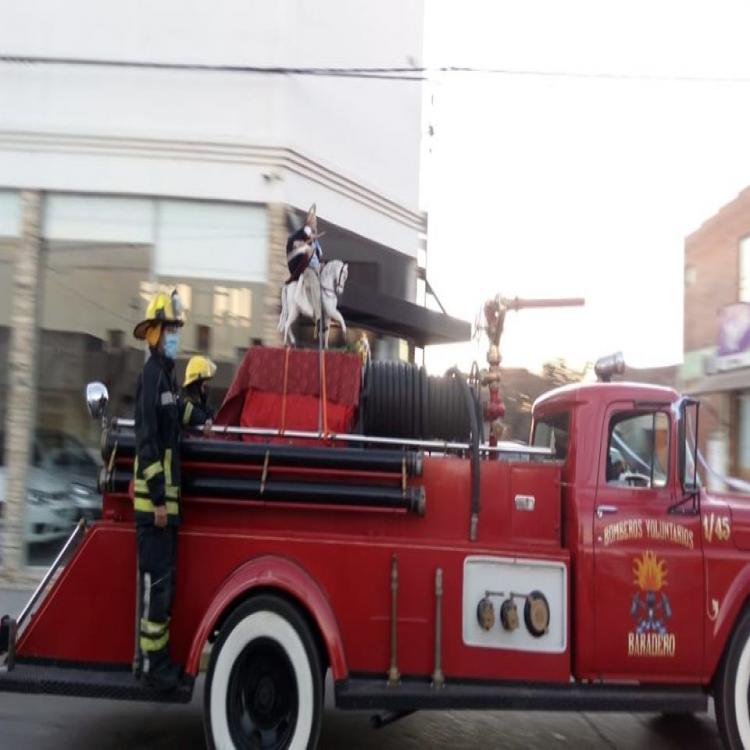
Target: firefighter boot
[(4, 633), (163, 674)]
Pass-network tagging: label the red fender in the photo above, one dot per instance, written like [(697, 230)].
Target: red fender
[(736, 595), (280, 573)]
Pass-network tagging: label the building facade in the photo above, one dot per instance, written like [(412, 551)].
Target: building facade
[(716, 363), (133, 159)]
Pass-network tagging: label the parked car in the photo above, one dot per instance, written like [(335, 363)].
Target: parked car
[(50, 509), (66, 457)]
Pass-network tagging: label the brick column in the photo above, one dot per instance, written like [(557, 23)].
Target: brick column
[(277, 271), (20, 414)]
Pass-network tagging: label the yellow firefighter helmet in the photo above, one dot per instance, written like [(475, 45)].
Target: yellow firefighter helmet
[(198, 368), (162, 309)]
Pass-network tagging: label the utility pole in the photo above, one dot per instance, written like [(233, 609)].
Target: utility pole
[(22, 381)]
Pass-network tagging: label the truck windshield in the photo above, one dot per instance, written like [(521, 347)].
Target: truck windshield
[(552, 432)]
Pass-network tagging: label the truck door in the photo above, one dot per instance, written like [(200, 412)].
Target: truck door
[(647, 552)]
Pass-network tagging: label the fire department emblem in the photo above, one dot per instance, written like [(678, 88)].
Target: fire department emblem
[(650, 609)]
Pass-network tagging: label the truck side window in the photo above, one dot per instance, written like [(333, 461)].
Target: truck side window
[(638, 451), (552, 432)]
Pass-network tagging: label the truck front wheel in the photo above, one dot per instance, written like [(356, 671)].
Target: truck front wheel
[(732, 689), (264, 687)]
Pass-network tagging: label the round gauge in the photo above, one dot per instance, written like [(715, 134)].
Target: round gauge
[(536, 614)]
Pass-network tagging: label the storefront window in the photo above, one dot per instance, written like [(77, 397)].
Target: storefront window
[(102, 259), (743, 447), (216, 255), (744, 275), (96, 255)]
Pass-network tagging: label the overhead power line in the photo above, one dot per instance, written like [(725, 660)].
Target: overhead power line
[(382, 73), (398, 74)]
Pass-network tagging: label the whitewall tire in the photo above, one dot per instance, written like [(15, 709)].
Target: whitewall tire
[(732, 689), (264, 687)]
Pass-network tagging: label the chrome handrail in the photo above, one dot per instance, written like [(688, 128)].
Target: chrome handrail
[(80, 527), (434, 445)]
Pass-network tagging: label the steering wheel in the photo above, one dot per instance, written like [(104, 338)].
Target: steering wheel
[(634, 479)]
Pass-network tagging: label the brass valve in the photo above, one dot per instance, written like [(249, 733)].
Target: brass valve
[(509, 615), (485, 614), (536, 612)]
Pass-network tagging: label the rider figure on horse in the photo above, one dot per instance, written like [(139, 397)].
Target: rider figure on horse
[(315, 294), (303, 249)]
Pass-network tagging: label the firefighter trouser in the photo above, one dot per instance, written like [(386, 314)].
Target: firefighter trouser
[(156, 566)]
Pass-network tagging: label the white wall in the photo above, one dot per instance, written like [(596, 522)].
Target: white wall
[(214, 135)]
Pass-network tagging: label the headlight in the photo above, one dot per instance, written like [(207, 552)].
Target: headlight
[(36, 498)]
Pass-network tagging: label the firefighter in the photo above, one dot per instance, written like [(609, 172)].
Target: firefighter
[(196, 411), (157, 486)]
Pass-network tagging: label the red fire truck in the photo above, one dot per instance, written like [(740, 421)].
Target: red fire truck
[(363, 527)]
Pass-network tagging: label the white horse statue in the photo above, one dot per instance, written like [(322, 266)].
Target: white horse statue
[(306, 294)]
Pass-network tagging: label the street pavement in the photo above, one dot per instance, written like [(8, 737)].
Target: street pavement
[(52, 723), (36, 722)]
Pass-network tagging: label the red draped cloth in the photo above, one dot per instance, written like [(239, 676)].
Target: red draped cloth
[(280, 389)]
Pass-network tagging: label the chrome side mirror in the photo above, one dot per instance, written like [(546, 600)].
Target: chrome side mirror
[(96, 399)]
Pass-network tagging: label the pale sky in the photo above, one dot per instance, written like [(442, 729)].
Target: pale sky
[(557, 186)]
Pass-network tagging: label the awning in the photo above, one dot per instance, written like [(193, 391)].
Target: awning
[(734, 380), (396, 317)]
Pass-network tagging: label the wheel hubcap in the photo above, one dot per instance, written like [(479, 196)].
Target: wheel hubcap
[(262, 698), (265, 695)]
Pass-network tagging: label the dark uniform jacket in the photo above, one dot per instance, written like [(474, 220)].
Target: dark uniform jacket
[(157, 441), (297, 259), (195, 410)]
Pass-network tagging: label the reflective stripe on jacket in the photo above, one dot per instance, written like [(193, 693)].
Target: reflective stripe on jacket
[(195, 412), (156, 469)]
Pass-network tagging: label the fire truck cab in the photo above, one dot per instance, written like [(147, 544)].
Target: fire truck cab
[(588, 570)]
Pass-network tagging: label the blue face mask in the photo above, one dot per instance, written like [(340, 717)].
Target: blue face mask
[(171, 344)]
